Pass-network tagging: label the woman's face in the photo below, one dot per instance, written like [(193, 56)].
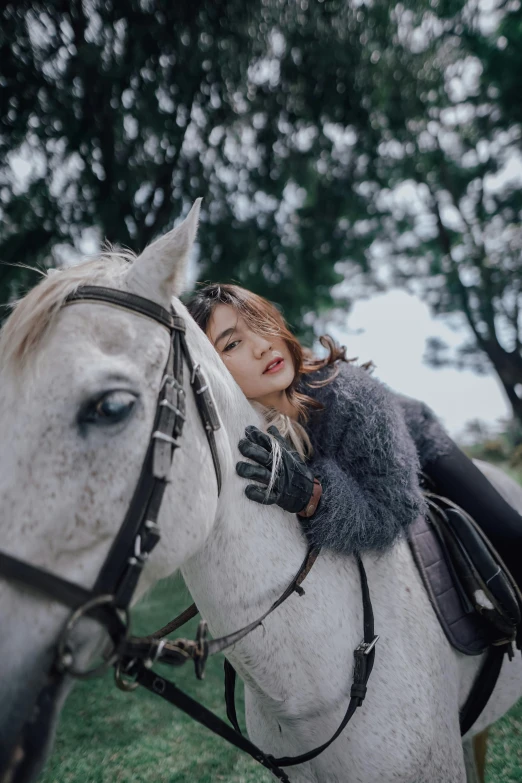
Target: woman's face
[(261, 364)]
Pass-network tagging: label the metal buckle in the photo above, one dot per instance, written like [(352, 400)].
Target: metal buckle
[(366, 647), (139, 556), (170, 406), (167, 438), (200, 654), (151, 660), (65, 659), (166, 379), (122, 683)]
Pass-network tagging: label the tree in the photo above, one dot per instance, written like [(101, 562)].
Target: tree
[(129, 109), (340, 147), (448, 204), (113, 102)]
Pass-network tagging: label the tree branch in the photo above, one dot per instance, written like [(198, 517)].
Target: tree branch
[(479, 256), (463, 294)]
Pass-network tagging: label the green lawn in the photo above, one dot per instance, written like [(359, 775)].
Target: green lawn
[(107, 736)]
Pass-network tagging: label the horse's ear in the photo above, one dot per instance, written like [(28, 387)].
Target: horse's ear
[(159, 273)]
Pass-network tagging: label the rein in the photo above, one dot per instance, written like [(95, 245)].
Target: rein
[(364, 655), (109, 600)]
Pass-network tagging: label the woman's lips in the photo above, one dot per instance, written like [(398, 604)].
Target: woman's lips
[(274, 367)]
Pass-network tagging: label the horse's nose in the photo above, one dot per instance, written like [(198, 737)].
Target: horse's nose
[(10, 757), (26, 731), (29, 690), (15, 714), (11, 762)]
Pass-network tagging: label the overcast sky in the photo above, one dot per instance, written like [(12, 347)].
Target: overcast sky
[(391, 329)]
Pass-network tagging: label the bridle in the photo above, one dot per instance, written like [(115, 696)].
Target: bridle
[(109, 600)]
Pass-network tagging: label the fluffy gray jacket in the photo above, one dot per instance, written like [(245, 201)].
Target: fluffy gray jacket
[(369, 445)]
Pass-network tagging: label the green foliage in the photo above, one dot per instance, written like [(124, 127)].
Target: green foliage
[(123, 112), (500, 444), (501, 57), (340, 147), (448, 201)]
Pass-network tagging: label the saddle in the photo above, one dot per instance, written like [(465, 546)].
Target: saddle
[(473, 592), (476, 599)]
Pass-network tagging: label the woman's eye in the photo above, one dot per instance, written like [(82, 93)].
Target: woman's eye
[(111, 408), (231, 345)]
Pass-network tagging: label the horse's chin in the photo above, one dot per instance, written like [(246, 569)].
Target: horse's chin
[(25, 760)]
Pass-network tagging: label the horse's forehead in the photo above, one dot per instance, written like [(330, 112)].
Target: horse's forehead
[(86, 338), (111, 330)]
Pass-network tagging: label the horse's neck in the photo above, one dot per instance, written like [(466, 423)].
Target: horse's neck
[(249, 559), (252, 550)]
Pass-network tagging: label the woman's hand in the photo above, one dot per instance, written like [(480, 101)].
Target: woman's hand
[(293, 486)]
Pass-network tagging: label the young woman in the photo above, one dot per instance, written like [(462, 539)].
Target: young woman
[(348, 451)]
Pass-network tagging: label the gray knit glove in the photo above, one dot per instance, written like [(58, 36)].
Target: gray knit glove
[(294, 484)]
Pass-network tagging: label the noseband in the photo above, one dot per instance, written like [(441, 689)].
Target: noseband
[(109, 600)]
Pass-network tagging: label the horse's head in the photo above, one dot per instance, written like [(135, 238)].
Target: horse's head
[(79, 385)]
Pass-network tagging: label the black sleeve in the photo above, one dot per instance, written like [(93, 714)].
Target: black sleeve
[(456, 477), (425, 429)]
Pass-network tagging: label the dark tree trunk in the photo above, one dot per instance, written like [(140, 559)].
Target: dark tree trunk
[(508, 366)]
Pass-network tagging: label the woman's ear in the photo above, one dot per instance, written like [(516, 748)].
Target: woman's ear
[(159, 273)]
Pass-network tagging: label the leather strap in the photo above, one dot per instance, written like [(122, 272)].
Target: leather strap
[(483, 687), (176, 652), (230, 694), (58, 589), (188, 614), (219, 645), (168, 691), (124, 299), (364, 659), (311, 506)]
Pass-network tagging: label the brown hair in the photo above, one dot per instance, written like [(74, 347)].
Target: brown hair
[(263, 316)]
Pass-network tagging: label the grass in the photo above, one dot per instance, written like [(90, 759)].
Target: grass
[(504, 759), (108, 736)]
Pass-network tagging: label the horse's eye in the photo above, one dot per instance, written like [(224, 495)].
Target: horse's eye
[(111, 408)]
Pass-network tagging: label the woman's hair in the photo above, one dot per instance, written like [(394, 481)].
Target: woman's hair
[(263, 317)]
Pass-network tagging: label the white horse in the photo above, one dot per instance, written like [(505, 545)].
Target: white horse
[(78, 388)]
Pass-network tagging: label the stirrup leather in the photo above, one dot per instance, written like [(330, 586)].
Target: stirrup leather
[(485, 578)]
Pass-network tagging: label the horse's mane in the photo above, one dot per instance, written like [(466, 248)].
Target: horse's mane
[(34, 315)]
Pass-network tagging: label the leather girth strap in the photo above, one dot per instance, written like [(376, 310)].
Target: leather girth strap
[(363, 665), (482, 688), (364, 659)]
